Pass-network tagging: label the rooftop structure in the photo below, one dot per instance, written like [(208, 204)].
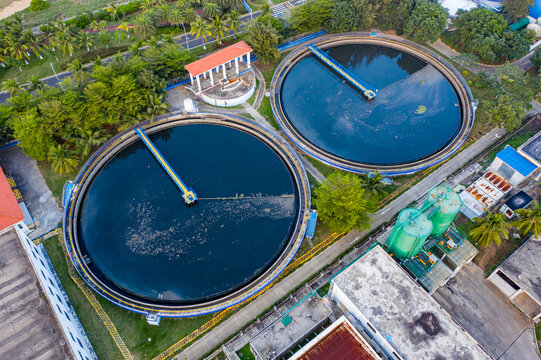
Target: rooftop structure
[(454, 5), (283, 336), (402, 318), (223, 59), (510, 164), (519, 278), (338, 341), (10, 212), (520, 200), (484, 193), (531, 149)]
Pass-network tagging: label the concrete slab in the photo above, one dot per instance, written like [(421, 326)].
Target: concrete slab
[(28, 329), (480, 308), (37, 196)]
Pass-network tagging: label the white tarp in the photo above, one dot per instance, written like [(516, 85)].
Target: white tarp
[(454, 5)]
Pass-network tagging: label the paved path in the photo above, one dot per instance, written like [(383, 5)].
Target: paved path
[(312, 170), (234, 324)]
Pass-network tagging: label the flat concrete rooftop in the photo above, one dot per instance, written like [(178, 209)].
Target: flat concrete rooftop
[(29, 329), (411, 320), (524, 267), (306, 317)]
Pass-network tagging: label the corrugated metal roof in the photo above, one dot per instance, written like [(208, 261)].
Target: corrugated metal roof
[(512, 158), (218, 58)]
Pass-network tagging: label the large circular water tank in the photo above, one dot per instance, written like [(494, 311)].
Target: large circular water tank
[(448, 203), (409, 234), (535, 10)]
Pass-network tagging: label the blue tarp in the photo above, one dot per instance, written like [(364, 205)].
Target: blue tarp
[(311, 225), (512, 158)]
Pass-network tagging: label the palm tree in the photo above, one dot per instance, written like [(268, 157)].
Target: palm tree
[(136, 48), (189, 14), (155, 107), (86, 139), (112, 8), (200, 29), (374, 185), (147, 5), (265, 10), (124, 26), (94, 25), (47, 33), (16, 50), (145, 25), (218, 29), (36, 43), (492, 228), (78, 72), (62, 160), (232, 19), (36, 84), (530, 221), (152, 42), (12, 87), (211, 10), (85, 40), (63, 39), (168, 39), (104, 37)]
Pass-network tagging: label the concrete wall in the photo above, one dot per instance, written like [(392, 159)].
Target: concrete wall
[(58, 299), (229, 102)]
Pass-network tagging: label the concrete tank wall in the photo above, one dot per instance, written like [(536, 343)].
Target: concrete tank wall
[(409, 234)]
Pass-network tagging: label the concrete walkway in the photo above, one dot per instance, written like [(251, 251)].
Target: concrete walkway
[(234, 324), (312, 170)]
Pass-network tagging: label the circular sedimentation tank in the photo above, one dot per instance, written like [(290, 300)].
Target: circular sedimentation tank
[(411, 230), (448, 205), (421, 114), (134, 240)]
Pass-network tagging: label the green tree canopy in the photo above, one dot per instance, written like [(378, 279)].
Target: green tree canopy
[(516, 9), (492, 228), (530, 221), (344, 17), (263, 38), (311, 16), (342, 202), (427, 21)]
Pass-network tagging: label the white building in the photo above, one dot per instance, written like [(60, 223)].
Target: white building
[(398, 314)]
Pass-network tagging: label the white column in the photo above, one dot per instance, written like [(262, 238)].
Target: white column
[(199, 84), (248, 60), (223, 71), (211, 78), (237, 64), (191, 79)]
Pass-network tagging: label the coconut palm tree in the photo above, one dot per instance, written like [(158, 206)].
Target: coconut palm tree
[(36, 84), (104, 37), (145, 25), (176, 16), (112, 8), (152, 42), (35, 43), (189, 14), (94, 25), (79, 74), (85, 40), (125, 27), (232, 19), (218, 29), (86, 139), (530, 221), (168, 39), (211, 10), (47, 34), (12, 87), (62, 159), (155, 107), (16, 50), (200, 29), (64, 41), (373, 184), (492, 228)]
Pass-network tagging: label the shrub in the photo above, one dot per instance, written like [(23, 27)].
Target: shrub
[(37, 5), (465, 73), (128, 8), (470, 83)]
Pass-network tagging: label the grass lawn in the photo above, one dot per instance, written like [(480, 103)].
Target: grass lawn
[(538, 334), (55, 181), (245, 353), (515, 141), (266, 111), (133, 328), (324, 290), (61, 9), (102, 342)]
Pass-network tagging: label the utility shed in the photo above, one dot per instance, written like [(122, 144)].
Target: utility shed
[(513, 166), (400, 316), (519, 278)]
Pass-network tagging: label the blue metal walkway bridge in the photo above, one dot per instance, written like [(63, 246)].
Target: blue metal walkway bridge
[(187, 193), (368, 91)]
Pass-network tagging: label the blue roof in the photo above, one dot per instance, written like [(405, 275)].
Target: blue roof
[(516, 161)]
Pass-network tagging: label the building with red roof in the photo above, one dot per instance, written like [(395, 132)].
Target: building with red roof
[(10, 212), (223, 59)]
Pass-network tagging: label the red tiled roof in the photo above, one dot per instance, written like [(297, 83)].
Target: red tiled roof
[(218, 58), (10, 212), (341, 343)]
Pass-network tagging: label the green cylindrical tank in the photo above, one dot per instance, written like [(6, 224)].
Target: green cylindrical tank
[(409, 234), (448, 203)]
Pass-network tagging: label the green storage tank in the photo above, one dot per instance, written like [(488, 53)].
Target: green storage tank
[(448, 204), (409, 234)]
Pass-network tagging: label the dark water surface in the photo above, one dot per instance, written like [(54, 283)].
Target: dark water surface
[(390, 129), (143, 238)]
